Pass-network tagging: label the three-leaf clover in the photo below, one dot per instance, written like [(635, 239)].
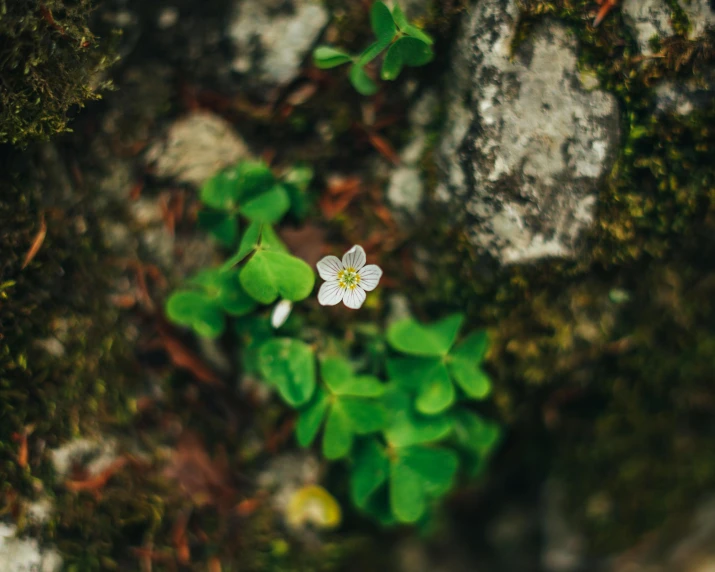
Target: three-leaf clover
[(414, 470), (434, 365), (406, 45), (209, 295), (251, 190), (347, 405), (271, 272)]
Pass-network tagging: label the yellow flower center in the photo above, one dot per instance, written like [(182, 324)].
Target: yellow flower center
[(348, 278)]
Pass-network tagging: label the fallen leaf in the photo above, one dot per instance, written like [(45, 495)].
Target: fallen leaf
[(204, 480), (183, 357), (36, 243), (98, 481)]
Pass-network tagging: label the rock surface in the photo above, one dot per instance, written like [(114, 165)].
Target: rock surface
[(272, 37), (405, 190), (195, 147), (25, 554), (653, 18), (525, 143), (649, 19)]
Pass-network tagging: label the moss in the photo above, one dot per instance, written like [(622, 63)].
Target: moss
[(50, 63)]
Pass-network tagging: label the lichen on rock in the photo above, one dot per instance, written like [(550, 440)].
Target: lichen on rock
[(525, 144), (272, 37)]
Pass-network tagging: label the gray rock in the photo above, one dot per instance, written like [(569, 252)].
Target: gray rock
[(525, 143), (195, 147), (405, 190), (652, 18), (272, 37), (649, 19), (25, 554), (701, 14)]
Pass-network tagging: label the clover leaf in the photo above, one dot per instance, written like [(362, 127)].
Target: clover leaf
[(326, 57), (346, 407), (289, 365), (413, 469), (271, 271), (410, 337), (434, 366), (196, 310), (362, 82), (249, 189), (222, 226), (406, 51), (476, 438), (202, 307)]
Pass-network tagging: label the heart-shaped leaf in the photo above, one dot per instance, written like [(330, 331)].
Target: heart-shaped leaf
[(221, 191), (225, 289), (411, 337), (362, 83), (197, 310), (428, 378), (267, 207), (463, 362), (326, 57), (407, 51), (289, 364), (338, 376), (222, 226), (311, 418), (269, 274), (418, 474), (382, 23), (370, 471), (253, 179), (408, 427), (338, 437)]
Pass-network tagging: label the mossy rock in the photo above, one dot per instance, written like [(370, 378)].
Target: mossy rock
[(50, 63)]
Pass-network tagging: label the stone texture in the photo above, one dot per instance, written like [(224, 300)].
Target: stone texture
[(195, 147), (272, 37), (24, 554), (405, 190), (701, 14), (525, 143), (648, 18)]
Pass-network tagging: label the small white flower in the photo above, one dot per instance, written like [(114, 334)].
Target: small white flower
[(280, 313), (348, 279)]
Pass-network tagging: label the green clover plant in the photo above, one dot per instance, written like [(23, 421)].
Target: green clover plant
[(404, 441), (262, 269), (407, 430), (405, 43)]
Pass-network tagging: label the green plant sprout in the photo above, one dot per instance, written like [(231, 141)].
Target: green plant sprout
[(262, 269), (407, 430), (406, 45)]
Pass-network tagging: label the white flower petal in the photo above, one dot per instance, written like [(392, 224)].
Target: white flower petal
[(354, 298), (280, 313), (354, 258), (330, 293), (369, 277), (328, 267)]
